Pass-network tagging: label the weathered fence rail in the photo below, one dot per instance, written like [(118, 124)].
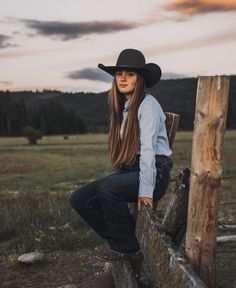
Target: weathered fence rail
[(159, 243), (166, 264)]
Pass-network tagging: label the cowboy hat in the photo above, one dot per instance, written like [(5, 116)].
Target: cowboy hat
[(132, 59)]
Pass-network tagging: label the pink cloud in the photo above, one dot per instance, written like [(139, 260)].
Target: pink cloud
[(187, 7)]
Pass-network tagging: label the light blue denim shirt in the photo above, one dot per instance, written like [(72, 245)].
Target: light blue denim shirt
[(153, 141)]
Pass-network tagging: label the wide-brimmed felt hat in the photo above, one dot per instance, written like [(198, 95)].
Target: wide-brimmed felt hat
[(134, 60)]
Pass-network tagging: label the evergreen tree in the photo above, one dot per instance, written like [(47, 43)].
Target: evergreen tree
[(6, 123), (18, 115)]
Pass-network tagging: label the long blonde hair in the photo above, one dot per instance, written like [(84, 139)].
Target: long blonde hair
[(125, 150)]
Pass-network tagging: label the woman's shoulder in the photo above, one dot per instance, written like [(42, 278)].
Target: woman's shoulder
[(150, 101)]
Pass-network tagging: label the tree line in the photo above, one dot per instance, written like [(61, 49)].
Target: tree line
[(56, 112), (49, 116)]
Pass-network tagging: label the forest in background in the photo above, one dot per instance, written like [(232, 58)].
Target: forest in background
[(55, 112)]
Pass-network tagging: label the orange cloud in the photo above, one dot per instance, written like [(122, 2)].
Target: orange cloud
[(187, 7)]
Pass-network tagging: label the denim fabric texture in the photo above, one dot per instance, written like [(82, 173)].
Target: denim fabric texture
[(103, 204)]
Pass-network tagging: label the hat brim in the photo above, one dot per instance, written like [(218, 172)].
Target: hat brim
[(151, 72)]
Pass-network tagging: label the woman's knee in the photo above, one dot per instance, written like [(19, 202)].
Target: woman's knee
[(107, 188), (84, 193), (75, 198)]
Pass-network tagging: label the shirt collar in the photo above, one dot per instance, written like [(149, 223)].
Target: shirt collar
[(126, 106)]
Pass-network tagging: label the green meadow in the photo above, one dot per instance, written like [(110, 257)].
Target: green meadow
[(36, 182)]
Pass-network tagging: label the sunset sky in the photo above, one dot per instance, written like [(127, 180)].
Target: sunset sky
[(57, 44)]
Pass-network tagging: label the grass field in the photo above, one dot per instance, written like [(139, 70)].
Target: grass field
[(35, 184)]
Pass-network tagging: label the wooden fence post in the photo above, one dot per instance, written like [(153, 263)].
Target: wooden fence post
[(175, 219), (172, 123), (210, 121)]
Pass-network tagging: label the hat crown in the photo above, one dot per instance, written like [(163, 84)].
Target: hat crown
[(131, 57)]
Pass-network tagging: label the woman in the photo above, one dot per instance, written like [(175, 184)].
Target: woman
[(139, 151)]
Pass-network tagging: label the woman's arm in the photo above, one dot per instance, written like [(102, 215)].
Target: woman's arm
[(149, 122)]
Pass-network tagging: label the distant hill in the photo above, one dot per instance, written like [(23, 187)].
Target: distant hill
[(178, 96)]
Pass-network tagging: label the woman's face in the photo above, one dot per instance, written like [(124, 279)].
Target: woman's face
[(126, 81)]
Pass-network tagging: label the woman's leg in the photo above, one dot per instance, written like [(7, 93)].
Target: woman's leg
[(114, 193), (103, 205), (85, 202)]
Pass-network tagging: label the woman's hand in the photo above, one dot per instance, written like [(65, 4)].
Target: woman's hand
[(146, 201)]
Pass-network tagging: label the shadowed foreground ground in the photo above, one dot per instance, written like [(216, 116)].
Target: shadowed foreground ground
[(83, 269), (59, 268)]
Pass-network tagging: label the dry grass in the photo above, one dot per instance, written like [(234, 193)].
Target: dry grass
[(20, 164)]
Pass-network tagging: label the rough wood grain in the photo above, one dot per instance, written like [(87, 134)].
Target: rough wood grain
[(172, 123), (210, 119), (106, 279), (225, 226), (123, 275), (175, 220), (168, 268), (226, 238)]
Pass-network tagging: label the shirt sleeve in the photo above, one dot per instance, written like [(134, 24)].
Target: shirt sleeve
[(149, 123)]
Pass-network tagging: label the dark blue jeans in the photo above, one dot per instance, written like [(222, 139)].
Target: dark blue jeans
[(103, 204)]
